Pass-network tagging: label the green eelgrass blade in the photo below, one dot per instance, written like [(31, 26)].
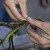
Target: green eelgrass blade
[(2, 43), (11, 38), (3, 46), (9, 44), (9, 35)]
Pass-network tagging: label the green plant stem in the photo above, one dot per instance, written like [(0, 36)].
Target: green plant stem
[(9, 35), (9, 44), (3, 46), (12, 43)]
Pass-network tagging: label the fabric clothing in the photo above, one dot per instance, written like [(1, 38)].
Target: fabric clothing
[(3, 14)]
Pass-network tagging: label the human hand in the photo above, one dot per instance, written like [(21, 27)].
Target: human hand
[(42, 40), (10, 6), (45, 26)]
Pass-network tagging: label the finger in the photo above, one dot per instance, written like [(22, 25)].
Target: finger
[(11, 15), (23, 8), (46, 45), (33, 40), (35, 22), (33, 34), (14, 11), (16, 1), (42, 41), (46, 36)]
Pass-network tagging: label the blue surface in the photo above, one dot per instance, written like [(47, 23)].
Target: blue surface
[(18, 40)]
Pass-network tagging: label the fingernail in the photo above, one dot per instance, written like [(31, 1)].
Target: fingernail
[(29, 18)]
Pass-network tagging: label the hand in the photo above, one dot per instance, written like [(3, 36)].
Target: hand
[(42, 40), (43, 25), (10, 6)]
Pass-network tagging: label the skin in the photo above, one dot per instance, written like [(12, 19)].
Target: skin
[(10, 7), (14, 14)]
